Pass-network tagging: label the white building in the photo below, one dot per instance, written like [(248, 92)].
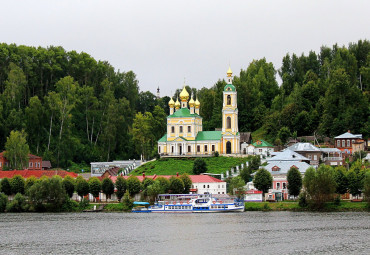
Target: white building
[(203, 184)]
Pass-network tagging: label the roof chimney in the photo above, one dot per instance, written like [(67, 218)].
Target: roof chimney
[(177, 174), (143, 175)]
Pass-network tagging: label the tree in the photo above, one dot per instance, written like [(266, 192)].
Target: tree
[(294, 179), (121, 186), (142, 132), (95, 186), (187, 182), (319, 184), (3, 202), (236, 186), (176, 185), (107, 187), (6, 188), (17, 204), (245, 174), (354, 183), (263, 181), (69, 186), (17, 183), (82, 187), (367, 187), (199, 166), (29, 183), (17, 150), (341, 180), (144, 185), (133, 185), (164, 184)]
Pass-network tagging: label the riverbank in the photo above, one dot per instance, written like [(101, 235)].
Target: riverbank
[(344, 206)]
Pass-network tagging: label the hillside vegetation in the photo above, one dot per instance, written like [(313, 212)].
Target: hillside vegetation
[(171, 166)]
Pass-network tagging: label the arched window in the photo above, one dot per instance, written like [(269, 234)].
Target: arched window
[(228, 122), (180, 129), (172, 129), (228, 100)]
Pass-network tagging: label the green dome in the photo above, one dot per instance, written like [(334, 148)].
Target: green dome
[(229, 87)]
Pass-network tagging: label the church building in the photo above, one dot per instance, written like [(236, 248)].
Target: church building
[(185, 135)]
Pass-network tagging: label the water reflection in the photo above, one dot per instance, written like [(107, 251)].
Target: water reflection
[(233, 233)]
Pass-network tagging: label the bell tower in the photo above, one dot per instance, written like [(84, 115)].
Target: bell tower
[(230, 130)]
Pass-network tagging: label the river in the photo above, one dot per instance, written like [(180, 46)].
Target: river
[(232, 233)]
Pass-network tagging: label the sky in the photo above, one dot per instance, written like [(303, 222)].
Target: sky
[(167, 42)]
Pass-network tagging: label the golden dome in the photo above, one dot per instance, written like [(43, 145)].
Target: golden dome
[(184, 95), (191, 102), (171, 103), (177, 104), (197, 103), (229, 72)]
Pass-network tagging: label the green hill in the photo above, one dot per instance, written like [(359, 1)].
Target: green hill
[(171, 166)]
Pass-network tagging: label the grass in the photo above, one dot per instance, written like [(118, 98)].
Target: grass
[(171, 166), (259, 134), (293, 206)]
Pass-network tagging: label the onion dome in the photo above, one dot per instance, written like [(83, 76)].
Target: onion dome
[(191, 102), (184, 95), (177, 104), (197, 104), (229, 72), (171, 103)]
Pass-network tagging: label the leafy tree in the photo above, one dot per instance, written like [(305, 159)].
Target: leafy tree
[(199, 166), (367, 186), (121, 186), (164, 183), (294, 179), (354, 183), (176, 185), (18, 204), (17, 150), (245, 174), (127, 202), (154, 190), (319, 184), (82, 187), (29, 182), (133, 185), (263, 181), (236, 186), (69, 186), (187, 182), (107, 187), (17, 183), (341, 180), (144, 185), (6, 188), (95, 186), (142, 132), (3, 202)]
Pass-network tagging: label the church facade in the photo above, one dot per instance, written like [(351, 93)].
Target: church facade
[(185, 135)]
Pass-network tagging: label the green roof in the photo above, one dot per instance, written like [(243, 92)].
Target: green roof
[(183, 112), (229, 86), (163, 139), (262, 143), (209, 135)]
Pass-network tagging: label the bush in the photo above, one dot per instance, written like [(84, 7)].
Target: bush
[(199, 166), (216, 154), (18, 204), (127, 202), (70, 205), (3, 202), (302, 200), (337, 200), (84, 203)]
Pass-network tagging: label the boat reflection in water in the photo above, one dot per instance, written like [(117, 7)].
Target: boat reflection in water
[(196, 203)]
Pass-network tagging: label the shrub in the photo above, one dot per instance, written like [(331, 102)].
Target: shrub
[(216, 154), (18, 204), (199, 166), (302, 200), (3, 202), (84, 203)]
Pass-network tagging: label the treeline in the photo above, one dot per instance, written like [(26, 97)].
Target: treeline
[(76, 109), (55, 194)]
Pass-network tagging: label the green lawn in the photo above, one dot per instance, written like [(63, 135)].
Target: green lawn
[(171, 166)]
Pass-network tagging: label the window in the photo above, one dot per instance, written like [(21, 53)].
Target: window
[(314, 157), (260, 150), (180, 129), (208, 186), (172, 149), (159, 149), (284, 185), (213, 148), (189, 129), (343, 143), (228, 100), (309, 156), (348, 143), (205, 148), (172, 129), (228, 122), (31, 164), (353, 141), (338, 143), (198, 148), (278, 185), (204, 186), (219, 186), (189, 148)]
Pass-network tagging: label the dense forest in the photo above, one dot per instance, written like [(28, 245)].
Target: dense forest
[(76, 109)]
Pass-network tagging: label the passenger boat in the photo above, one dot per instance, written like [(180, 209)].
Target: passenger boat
[(196, 203)]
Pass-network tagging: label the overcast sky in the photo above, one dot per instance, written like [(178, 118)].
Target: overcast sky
[(164, 42)]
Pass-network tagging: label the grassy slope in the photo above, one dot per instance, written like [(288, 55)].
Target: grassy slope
[(171, 166)]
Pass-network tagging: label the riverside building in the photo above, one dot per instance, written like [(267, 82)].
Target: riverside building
[(185, 135)]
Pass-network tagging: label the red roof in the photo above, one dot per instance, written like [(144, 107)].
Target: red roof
[(37, 173), (194, 178)]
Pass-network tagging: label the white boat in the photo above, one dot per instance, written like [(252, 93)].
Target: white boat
[(196, 203)]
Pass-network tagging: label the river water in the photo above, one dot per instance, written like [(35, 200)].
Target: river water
[(232, 233)]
